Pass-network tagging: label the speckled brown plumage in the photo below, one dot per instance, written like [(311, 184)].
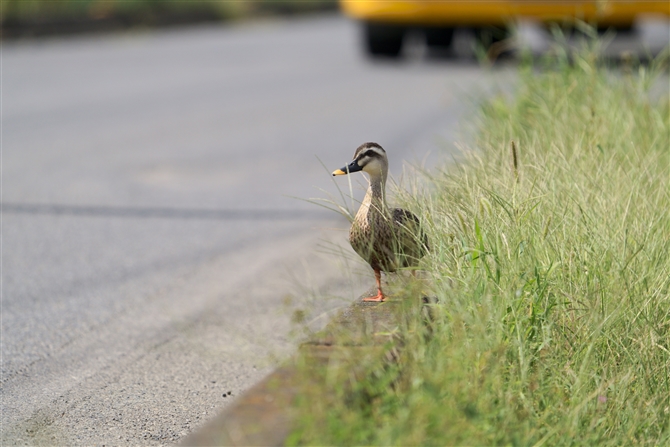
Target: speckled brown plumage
[(386, 238)]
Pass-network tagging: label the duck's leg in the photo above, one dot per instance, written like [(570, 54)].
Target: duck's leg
[(380, 295)]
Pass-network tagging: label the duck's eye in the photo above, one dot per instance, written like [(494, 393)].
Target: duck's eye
[(362, 161), (366, 157)]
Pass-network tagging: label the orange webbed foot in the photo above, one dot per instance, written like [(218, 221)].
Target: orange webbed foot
[(380, 297)]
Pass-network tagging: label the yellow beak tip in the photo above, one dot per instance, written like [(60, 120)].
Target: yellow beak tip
[(339, 172)]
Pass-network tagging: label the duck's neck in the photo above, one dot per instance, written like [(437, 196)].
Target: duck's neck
[(376, 194)]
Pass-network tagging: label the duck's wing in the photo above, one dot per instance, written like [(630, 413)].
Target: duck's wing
[(412, 240)]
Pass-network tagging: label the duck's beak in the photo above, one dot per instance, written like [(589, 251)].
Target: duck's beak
[(351, 167)]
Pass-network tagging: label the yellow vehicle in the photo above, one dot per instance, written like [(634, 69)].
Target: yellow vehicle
[(385, 22)]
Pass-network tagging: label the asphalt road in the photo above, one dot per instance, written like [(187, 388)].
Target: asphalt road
[(154, 246)]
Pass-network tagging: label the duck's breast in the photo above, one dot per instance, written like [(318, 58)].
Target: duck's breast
[(371, 236)]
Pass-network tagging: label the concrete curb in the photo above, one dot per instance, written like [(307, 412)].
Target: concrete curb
[(263, 416)]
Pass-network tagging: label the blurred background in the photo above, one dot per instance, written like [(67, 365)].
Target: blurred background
[(155, 160), (44, 17)]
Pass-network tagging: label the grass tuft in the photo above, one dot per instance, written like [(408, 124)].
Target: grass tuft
[(552, 277)]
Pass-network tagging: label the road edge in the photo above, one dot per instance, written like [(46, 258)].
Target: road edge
[(264, 415)]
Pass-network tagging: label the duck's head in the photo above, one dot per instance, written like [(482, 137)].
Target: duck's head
[(370, 158)]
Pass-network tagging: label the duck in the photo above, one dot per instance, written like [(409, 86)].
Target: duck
[(386, 238)]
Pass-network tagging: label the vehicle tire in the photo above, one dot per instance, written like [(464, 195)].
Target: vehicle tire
[(383, 40), (439, 38), (492, 40), (491, 35), (624, 29)]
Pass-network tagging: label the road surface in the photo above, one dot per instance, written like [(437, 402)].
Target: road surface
[(154, 244)]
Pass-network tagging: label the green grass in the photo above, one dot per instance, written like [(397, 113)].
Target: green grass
[(150, 11), (552, 275)]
